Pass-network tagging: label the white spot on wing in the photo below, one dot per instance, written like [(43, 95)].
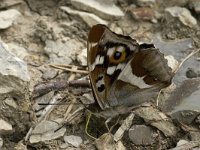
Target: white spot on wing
[(100, 82), (93, 44), (111, 70), (97, 59), (120, 48), (101, 60), (120, 66), (110, 51), (129, 77)]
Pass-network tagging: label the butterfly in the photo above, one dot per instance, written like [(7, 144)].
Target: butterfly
[(122, 71)]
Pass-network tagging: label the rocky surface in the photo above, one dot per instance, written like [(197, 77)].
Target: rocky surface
[(43, 50), (14, 75), (8, 17)]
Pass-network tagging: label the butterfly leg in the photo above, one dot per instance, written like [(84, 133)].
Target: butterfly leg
[(111, 128)]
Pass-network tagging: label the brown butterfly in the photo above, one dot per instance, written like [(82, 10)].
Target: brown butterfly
[(121, 71)]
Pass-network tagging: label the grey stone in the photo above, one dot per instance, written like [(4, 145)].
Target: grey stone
[(45, 130), (8, 17), (47, 72), (157, 119), (88, 18), (14, 75), (73, 140), (44, 99), (183, 15), (195, 4), (5, 127), (10, 102), (195, 136), (87, 99), (102, 8), (183, 104), (9, 3), (82, 57), (141, 135), (18, 51), (62, 52)]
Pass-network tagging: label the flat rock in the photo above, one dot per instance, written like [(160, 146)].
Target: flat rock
[(8, 17), (10, 102), (73, 140), (195, 136), (183, 15), (62, 52), (18, 51), (47, 72), (89, 18), (183, 104), (44, 99), (45, 130), (157, 119), (5, 127), (82, 57), (102, 8), (145, 13), (141, 135), (14, 75), (9, 3)]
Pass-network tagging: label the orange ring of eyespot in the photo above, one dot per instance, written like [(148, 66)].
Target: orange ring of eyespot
[(121, 59)]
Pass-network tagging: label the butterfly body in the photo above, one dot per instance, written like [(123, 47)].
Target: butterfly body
[(121, 71)]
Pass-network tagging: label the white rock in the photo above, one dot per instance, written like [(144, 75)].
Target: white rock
[(8, 17), (45, 130), (62, 52), (17, 50), (172, 62), (82, 57), (76, 141), (183, 15), (5, 127), (14, 75), (10, 102), (182, 142), (88, 18), (103, 8)]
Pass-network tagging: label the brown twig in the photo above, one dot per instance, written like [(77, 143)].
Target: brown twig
[(58, 85), (69, 68)]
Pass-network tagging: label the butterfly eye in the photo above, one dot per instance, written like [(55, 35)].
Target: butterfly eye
[(118, 56)]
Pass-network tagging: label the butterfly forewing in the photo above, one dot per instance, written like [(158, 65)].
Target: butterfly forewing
[(108, 54)]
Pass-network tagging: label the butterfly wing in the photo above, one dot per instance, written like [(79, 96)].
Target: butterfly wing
[(108, 54), (121, 71), (142, 78)]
